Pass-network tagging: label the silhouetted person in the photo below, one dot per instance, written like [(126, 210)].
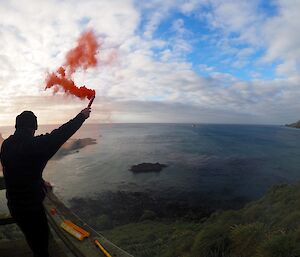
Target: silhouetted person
[(24, 157)]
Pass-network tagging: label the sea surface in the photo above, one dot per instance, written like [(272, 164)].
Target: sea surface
[(222, 164)]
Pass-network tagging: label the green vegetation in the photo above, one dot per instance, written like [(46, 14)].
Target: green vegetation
[(155, 238), (269, 227)]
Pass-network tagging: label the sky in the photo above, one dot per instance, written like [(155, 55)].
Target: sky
[(181, 61)]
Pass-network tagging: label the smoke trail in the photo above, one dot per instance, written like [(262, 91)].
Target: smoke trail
[(82, 56)]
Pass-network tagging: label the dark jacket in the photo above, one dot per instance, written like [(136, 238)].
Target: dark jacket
[(24, 157)]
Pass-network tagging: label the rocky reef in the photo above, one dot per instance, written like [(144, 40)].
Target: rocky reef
[(147, 167)]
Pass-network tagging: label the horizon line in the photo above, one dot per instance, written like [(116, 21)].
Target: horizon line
[(190, 123)]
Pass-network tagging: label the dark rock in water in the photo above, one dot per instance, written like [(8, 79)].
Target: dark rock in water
[(147, 167)]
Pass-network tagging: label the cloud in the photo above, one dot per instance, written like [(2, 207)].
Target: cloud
[(153, 78), (134, 111), (282, 39), (245, 28)]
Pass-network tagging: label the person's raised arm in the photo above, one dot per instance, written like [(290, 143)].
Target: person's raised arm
[(50, 143)]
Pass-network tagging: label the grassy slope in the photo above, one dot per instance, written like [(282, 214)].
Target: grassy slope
[(264, 228), (154, 238), (269, 227)]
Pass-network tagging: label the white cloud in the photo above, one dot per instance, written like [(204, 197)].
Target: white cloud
[(282, 37), (206, 68), (178, 26), (243, 22), (144, 85)]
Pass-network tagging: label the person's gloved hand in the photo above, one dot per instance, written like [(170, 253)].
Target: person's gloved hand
[(86, 112)]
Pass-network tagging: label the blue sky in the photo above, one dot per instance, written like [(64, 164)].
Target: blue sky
[(206, 61), (206, 49)]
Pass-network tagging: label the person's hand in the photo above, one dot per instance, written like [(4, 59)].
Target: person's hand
[(86, 112)]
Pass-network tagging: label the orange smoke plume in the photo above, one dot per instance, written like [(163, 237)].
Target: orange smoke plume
[(82, 56)]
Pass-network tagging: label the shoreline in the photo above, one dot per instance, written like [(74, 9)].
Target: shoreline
[(123, 207)]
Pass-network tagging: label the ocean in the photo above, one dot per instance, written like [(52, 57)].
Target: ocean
[(221, 166)]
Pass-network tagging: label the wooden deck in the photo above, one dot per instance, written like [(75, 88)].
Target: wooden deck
[(61, 243), (78, 248)]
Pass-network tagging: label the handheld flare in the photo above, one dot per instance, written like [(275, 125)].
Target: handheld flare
[(91, 101)]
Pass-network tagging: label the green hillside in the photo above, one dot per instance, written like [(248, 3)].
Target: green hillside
[(269, 227)]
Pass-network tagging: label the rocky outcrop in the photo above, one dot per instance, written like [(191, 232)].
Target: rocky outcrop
[(147, 167), (73, 146), (294, 125)]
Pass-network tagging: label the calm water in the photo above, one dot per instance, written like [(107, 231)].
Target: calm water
[(217, 162)]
